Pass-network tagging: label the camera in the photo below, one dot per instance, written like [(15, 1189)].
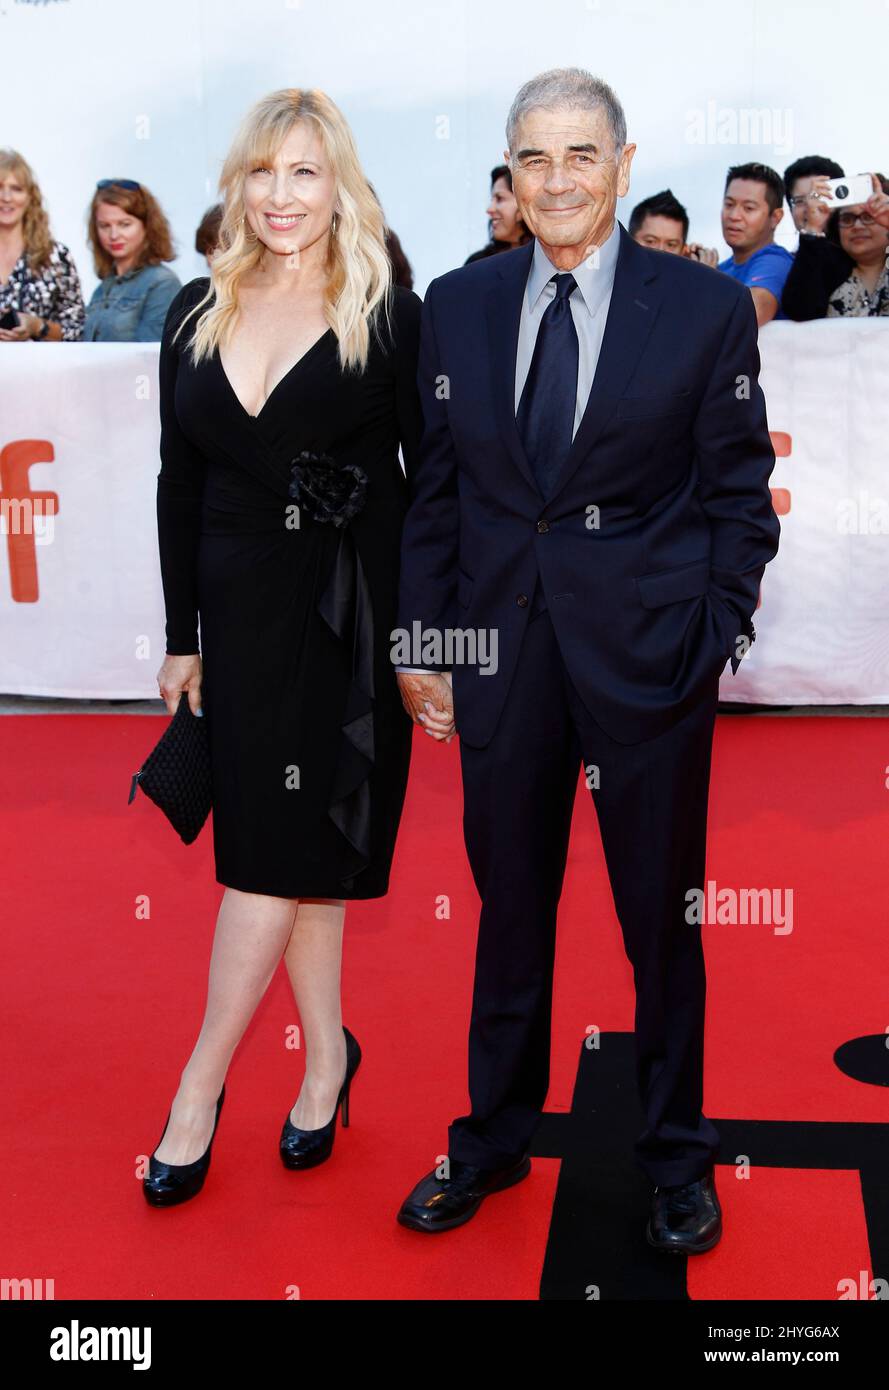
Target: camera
[(849, 190)]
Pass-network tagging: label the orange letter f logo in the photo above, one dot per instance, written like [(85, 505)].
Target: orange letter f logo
[(18, 509)]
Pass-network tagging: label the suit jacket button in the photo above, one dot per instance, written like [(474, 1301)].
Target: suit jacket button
[(522, 600), (543, 527)]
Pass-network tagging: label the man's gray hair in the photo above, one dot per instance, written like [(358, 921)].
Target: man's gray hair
[(571, 87)]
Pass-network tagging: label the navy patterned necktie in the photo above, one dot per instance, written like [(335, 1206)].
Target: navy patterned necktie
[(545, 416)]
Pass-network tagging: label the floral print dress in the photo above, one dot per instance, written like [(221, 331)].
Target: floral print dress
[(52, 293)]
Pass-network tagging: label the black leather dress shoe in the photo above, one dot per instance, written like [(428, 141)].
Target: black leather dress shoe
[(685, 1218), (168, 1184), (306, 1148), (439, 1204)]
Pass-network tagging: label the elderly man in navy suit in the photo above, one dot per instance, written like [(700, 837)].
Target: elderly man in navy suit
[(593, 490)]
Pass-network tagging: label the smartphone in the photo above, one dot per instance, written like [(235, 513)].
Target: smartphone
[(854, 190), (9, 319)]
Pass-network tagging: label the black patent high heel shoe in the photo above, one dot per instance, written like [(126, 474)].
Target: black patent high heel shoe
[(167, 1184), (306, 1148)]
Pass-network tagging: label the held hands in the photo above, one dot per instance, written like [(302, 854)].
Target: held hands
[(429, 702), (180, 673)]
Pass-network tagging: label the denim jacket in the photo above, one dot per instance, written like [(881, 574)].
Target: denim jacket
[(131, 308)]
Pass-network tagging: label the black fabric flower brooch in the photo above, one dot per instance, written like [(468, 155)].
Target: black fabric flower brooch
[(329, 491)]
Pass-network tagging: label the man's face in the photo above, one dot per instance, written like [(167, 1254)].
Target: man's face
[(661, 234), (806, 213), (747, 223), (567, 177)]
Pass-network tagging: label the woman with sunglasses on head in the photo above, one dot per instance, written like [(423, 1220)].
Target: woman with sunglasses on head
[(40, 298), (287, 384), (130, 238), (843, 272)]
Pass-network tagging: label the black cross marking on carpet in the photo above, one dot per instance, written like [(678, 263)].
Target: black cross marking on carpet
[(597, 1232)]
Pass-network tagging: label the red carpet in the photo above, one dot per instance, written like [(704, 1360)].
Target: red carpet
[(102, 1007)]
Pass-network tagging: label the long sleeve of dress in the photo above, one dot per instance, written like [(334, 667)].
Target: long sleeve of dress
[(409, 405), (180, 486), (818, 267), (68, 309), (409, 308), (430, 542)]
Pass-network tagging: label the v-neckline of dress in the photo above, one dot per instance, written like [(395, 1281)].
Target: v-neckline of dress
[(278, 384)]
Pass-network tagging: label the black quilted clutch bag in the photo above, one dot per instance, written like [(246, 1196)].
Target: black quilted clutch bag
[(176, 775)]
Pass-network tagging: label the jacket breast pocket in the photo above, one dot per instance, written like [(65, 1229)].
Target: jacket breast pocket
[(654, 407), (464, 589), (672, 585)]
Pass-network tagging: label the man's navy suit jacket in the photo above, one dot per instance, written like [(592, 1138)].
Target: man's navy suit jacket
[(652, 543)]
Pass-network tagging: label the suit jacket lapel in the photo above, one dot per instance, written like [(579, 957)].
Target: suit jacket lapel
[(635, 301), (504, 310)]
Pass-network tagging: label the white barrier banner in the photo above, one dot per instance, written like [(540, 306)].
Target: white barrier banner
[(81, 606), (822, 630)]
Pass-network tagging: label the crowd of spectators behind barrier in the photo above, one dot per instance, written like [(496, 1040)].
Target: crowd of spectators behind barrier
[(840, 268)]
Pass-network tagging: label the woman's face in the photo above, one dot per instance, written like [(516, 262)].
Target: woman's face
[(120, 234), (290, 202), (503, 211), (864, 240), (14, 200)]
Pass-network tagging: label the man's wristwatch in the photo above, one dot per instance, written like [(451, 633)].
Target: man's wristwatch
[(43, 331)]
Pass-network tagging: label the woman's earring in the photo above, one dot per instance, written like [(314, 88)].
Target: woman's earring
[(333, 225)]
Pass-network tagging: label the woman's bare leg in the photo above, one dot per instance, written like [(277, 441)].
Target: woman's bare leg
[(314, 961), (252, 931)]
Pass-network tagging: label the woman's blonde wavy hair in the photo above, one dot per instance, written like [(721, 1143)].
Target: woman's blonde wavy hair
[(359, 274), (35, 223)]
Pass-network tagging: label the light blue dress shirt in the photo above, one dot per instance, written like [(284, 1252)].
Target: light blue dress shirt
[(589, 309)]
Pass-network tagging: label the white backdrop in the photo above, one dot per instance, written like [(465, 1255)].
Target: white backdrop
[(96, 628), (109, 88)]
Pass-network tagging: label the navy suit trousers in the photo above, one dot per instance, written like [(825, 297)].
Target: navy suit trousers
[(651, 804)]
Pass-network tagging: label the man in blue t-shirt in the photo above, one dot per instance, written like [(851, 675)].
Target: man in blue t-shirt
[(752, 207)]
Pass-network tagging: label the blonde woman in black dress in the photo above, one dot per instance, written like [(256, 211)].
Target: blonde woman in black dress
[(287, 385)]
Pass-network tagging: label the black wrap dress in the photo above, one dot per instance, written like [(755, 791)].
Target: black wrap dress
[(279, 533)]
